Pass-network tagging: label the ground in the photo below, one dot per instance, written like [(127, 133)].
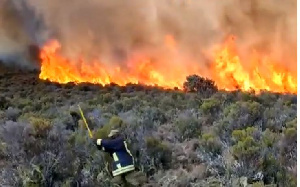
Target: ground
[(178, 138)]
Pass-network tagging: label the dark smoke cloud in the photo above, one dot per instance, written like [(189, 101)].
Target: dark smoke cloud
[(114, 30), (17, 47)]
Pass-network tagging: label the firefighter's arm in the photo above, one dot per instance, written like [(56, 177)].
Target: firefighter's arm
[(98, 143), (106, 144)]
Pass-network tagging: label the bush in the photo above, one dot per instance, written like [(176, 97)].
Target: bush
[(188, 127), (288, 149), (239, 115), (275, 119), (41, 126), (130, 103), (267, 98), (247, 96), (210, 106), (211, 144), (107, 98), (4, 102), (245, 134), (151, 115), (166, 103), (269, 138), (12, 113), (204, 86), (245, 147), (159, 152)]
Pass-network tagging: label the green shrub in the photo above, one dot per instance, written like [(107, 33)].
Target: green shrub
[(188, 127), (239, 115), (107, 98), (286, 179), (269, 138), (21, 103), (31, 177), (247, 96), (159, 151), (290, 131), (129, 103), (240, 135), (210, 105), (245, 145), (267, 98), (152, 115), (211, 143), (292, 124), (270, 166), (117, 106), (41, 126), (166, 103)]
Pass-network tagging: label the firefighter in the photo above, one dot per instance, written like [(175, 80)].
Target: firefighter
[(123, 168)]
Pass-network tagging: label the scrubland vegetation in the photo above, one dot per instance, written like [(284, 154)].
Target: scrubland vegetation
[(199, 137)]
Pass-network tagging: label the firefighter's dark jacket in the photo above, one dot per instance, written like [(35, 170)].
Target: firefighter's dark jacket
[(117, 148)]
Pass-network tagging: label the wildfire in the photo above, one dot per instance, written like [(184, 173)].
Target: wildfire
[(264, 73), (227, 70)]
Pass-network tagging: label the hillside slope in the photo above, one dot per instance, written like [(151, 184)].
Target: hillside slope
[(178, 139)]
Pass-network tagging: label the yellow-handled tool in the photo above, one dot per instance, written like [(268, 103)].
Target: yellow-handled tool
[(86, 124)]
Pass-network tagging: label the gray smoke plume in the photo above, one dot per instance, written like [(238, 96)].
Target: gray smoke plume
[(115, 30)]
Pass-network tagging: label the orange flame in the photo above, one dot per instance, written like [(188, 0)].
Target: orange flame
[(264, 74), (227, 70)]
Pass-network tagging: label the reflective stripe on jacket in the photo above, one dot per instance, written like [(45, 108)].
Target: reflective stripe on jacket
[(117, 148)]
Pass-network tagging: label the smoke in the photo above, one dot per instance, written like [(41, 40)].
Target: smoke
[(17, 48), (181, 32)]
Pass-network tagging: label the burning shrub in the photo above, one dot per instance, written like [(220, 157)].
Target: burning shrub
[(204, 86)]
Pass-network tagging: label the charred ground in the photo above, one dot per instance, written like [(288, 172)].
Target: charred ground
[(178, 138)]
